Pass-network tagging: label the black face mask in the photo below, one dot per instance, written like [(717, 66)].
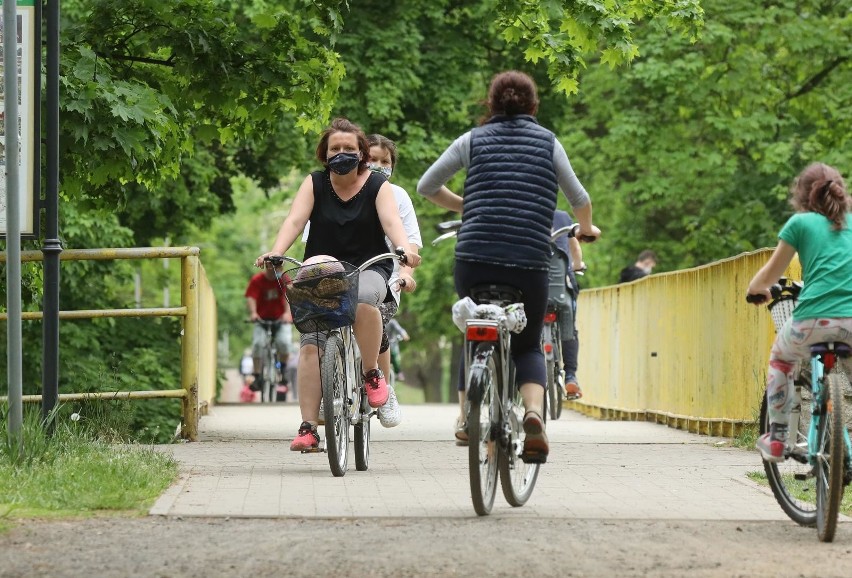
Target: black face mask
[(344, 163)]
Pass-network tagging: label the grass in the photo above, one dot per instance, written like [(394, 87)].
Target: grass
[(804, 491), (408, 394), (76, 472)]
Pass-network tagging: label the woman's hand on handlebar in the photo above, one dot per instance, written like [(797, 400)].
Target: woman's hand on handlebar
[(409, 258), (406, 283), (589, 236), (260, 262)]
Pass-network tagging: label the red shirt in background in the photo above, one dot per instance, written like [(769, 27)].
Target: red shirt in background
[(268, 295)]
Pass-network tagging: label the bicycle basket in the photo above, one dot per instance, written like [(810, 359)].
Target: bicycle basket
[(781, 310), (323, 296)]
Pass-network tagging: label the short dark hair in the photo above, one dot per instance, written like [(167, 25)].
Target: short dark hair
[(341, 124)]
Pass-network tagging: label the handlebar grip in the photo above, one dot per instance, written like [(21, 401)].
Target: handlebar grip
[(755, 298), (401, 283), (276, 260), (403, 258)]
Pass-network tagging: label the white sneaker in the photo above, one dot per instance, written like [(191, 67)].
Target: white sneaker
[(390, 414)]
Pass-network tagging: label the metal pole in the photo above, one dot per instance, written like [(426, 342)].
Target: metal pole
[(52, 245), (13, 220)]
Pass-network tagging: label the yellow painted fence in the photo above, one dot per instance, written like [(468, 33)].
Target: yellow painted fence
[(682, 348), (199, 328)]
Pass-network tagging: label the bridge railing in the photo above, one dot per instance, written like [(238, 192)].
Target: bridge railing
[(682, 348), (198, 336)]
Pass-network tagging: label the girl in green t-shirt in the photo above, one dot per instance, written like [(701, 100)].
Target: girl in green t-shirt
[(821, 233)]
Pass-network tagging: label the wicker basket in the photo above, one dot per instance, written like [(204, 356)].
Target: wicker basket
[(323, 296)]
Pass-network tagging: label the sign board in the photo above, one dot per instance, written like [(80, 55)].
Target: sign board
[(27, 61)]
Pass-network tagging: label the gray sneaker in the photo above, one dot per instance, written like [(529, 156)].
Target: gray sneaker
[(390, 414)]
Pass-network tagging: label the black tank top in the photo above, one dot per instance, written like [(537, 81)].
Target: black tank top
[(347, 230)]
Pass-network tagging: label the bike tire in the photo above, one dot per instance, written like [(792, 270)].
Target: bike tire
[(830, 459), (483, 379), (789, 492), (551, 398), (335, 406), (270, 379), (362, 436), (517, 478)]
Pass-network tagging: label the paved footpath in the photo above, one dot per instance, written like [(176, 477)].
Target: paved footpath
[(242, 467)]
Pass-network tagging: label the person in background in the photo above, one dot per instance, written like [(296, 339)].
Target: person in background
[(351, 210), (572, 256), (383, 158), (396, 333), (643, 266), (265, 300), (515, 168), (821, 233)]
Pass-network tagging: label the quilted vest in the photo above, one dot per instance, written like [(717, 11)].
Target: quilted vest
[(509, 194)]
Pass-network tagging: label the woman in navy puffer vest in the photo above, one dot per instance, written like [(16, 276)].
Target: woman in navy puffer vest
[(514, 169)]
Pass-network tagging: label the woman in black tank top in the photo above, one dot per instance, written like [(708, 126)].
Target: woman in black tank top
[(351, 209)]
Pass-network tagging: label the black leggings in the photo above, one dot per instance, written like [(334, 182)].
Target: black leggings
[(526, 345)]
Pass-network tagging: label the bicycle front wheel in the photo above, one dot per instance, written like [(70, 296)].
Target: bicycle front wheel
[(792, 481), (483, 380), (516, 477), (362, 436), (830, 457), (270, 377), (336, 410)]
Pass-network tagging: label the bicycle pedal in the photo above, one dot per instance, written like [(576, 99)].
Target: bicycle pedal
[(801, 477), (316, 450)]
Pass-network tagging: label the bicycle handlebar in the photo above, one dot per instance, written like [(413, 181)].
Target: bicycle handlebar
[(398, 254), (783, 287)]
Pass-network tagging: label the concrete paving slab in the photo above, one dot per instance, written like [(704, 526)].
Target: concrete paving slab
[(242, 467)]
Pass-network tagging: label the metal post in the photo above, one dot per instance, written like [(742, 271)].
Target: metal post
[(52, 245), (13, 221), (190, 346)]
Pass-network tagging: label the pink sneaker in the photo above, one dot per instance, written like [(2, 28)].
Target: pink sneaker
[(306, 439), (377, 388), (771, 449)]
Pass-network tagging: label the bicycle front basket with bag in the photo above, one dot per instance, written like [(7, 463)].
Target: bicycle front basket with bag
[(781, 310), (322, 295)]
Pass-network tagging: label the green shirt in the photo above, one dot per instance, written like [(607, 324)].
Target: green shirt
[(826, 258)]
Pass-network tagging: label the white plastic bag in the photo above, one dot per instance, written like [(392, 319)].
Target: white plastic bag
[(463, 309)]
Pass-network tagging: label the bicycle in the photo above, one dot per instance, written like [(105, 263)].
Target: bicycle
[(323, 298), (810, 467), (494, 407), (559, 303), (271, 375)]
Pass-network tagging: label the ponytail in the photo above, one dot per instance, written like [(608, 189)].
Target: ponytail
[(820, 189)]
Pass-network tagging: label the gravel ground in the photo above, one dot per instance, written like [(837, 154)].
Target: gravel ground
[(494, 546)]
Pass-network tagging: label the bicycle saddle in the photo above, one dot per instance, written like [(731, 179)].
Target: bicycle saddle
[(841, 349), (495, 294)]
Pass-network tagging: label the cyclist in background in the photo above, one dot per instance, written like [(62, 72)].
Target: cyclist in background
[(265, 300), (821, 233), (572, 256), (351, 209), (514, 170), (383, 157), (396, 333)]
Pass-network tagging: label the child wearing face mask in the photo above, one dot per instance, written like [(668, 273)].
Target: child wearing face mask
[(351, 210), (383, 157)]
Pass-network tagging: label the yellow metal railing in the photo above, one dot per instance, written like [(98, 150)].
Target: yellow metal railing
[(198, 342), (681, 348)]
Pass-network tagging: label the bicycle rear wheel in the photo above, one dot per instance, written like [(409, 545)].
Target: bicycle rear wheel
[(792, 481), (362, 435), (335, 408), (830, 458), (483, 380), (516, 477)]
